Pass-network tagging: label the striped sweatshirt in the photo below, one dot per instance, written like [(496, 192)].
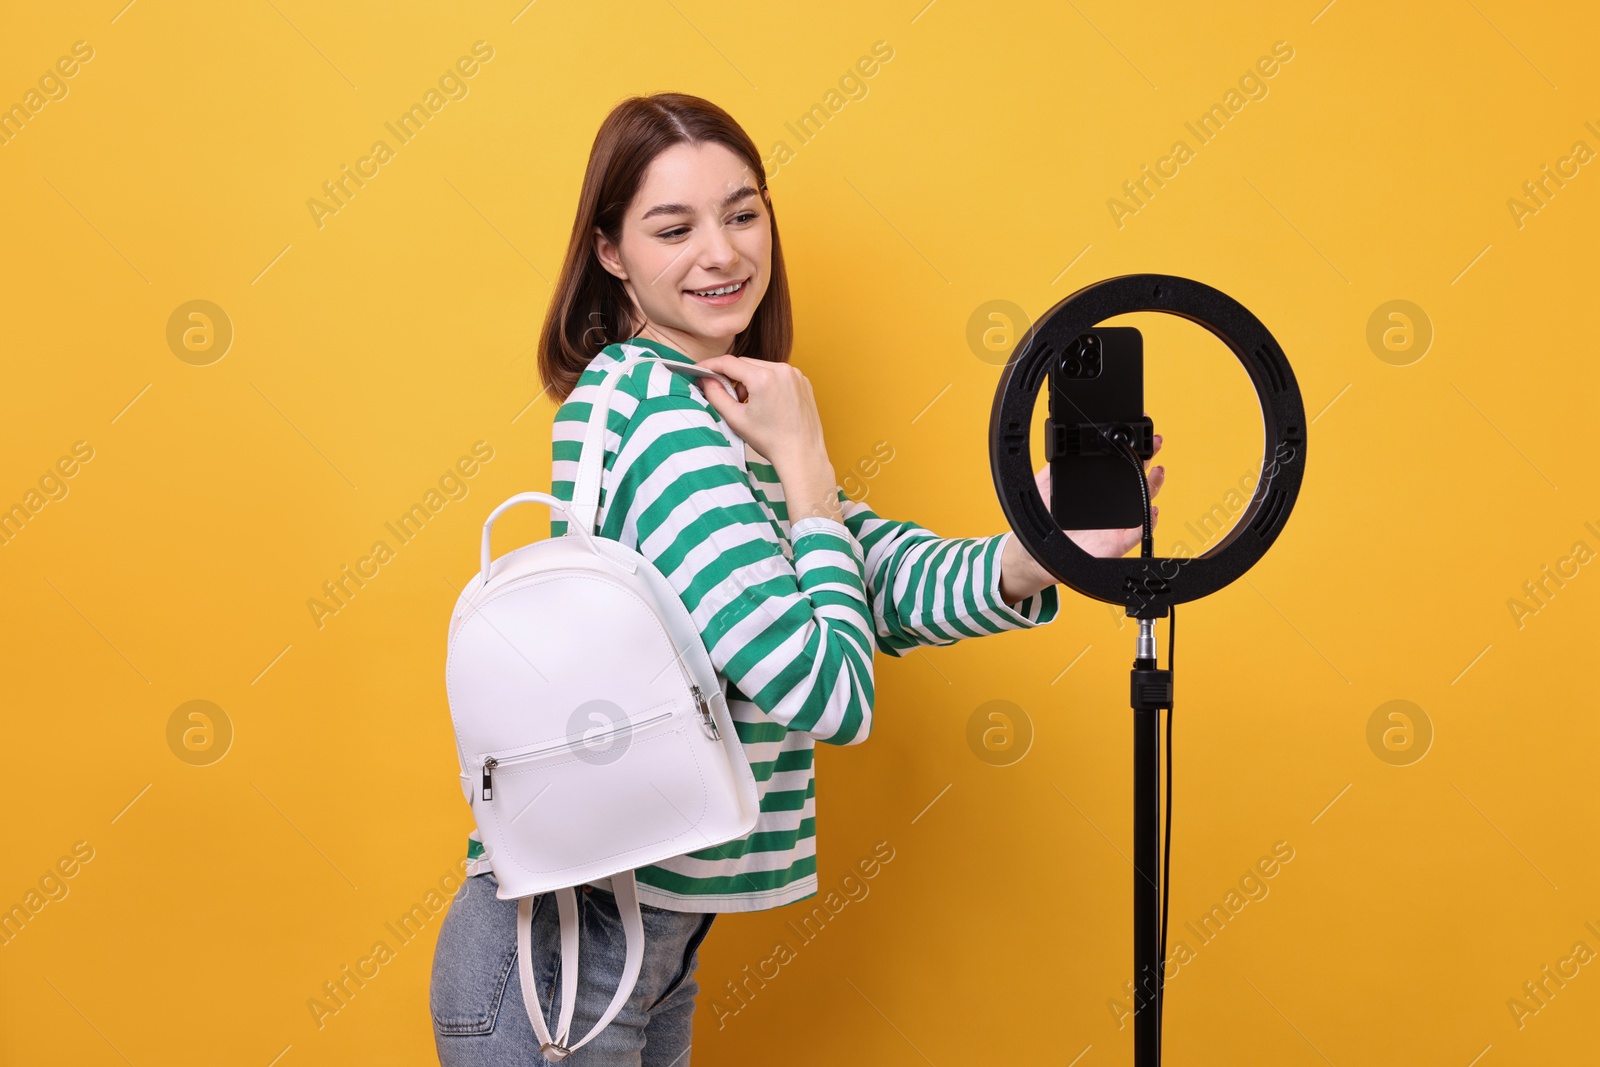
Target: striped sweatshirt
[(791, 614)]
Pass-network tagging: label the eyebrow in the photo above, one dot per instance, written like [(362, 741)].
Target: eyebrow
[(684, 209)]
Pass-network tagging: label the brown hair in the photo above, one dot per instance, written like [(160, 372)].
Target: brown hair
[(590, 308)]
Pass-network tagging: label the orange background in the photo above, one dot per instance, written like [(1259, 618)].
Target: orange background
[(218, 486)]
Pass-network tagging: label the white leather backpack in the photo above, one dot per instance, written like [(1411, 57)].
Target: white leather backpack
[(592, 730)]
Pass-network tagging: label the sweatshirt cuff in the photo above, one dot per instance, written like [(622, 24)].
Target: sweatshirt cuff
[(1035, 610)]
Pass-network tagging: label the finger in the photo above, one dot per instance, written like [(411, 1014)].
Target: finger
[(736, 367), (721, 364), (716, 395), (1158, 478)]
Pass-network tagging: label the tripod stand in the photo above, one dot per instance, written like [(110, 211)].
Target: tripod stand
[(1149, 587), (1150, 692)]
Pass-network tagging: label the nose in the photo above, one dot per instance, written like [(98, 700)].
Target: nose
[(716, 251)]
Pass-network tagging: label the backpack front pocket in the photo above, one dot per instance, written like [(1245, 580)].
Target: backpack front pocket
[(592, 748), (537, 803)]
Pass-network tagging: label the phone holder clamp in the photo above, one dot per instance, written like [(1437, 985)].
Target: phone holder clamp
[(1098, 438)]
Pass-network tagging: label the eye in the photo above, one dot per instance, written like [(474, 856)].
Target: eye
[(675, 232), (745, 216)]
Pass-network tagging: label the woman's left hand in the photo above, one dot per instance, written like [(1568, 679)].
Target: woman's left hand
[(1110, 544)]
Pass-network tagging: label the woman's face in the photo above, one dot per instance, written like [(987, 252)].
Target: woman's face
[(698, 222)]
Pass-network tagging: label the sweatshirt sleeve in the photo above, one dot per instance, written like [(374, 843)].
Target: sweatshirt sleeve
[(790, 628), (931, 590)]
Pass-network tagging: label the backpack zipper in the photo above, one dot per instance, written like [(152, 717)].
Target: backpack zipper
[(491, 762), (707, 722)]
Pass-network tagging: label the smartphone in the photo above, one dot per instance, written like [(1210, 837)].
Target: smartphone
[(1097, 380)]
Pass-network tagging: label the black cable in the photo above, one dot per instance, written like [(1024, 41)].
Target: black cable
[(1166, 827), (1147, 544)]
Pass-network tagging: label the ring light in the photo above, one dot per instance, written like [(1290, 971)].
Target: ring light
[(1148, 587)]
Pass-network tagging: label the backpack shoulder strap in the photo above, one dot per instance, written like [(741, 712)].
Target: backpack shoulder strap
[(591, 460), (557, 1048)]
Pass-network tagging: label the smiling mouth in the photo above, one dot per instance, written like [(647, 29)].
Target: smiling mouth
[(722, 290)]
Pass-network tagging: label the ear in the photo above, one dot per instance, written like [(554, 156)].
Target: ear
[(605, 250)]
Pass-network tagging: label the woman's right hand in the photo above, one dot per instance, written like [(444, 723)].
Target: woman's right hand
[(779, 418)]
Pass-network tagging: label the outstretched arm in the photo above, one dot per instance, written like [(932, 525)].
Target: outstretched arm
[(1020, 574), (932, 590), (929, 590)]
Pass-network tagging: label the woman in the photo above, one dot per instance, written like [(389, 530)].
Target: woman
[(675, 254)]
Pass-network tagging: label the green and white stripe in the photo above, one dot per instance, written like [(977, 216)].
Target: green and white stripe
[(790, 614)]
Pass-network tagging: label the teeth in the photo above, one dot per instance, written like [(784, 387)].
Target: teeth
[(717, 292)]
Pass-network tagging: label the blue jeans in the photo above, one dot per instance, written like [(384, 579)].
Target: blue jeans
[(476, 992)]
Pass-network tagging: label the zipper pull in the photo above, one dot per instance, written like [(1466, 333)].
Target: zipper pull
[(488, 766), (710, 724)]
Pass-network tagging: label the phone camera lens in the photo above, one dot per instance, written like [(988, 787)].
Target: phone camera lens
[(1074, 368)]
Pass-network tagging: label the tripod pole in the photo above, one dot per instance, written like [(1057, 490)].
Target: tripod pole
[(1150, 691)]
